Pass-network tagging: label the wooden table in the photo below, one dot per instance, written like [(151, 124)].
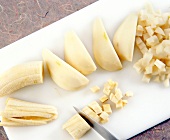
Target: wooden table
[(19, 18)]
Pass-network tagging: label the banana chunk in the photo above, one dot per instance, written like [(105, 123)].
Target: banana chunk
[(22, 113), (91, 114), (96, 107), (107, 108), (103, 99), (76, 126), (95, 89), (20, 76)]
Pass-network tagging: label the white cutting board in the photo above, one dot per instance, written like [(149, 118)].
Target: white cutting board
[(149, 106)]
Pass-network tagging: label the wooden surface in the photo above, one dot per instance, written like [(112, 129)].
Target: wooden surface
[(19, 18)]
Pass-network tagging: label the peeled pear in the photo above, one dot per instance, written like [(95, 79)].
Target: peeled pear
[(124, 37), (62, 73), (104, 52), (76, 54)]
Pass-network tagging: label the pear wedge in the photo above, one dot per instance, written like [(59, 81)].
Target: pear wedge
[(76, 54), (62, 73), (104, 52), (124, 37)]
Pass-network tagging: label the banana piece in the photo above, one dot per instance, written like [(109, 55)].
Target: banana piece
[(62, 73), (104, 52), (76, 126), (124, 37), (95, 107), (76, 54), (91, 114), (20, 76), (22, 113)]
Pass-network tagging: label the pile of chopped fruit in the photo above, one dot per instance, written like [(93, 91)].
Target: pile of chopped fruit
[(153, 40)]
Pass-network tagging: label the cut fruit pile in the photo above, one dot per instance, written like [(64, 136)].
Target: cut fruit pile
[(99, 112), (153, 40), (22, 113)]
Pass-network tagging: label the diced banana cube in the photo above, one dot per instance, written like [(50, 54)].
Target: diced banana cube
[(106, 91), (113, 98), (159, 64), (104, 115), (152, 41), (118, 94), (124, 102), (119, 104), (138, 40), (107, 108), (76, 126), (149, 30), (140, 28), (159, 31), (146, 78), (103, 98), (129, 94), (104, 121), (91, 114), (145, 36), (96, 107), (95, 89)]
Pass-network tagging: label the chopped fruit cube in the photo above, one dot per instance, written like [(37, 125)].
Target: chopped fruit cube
[(103, 98), (118, 94), (149, 30), (95, 89), (113, 98), (107, 108), (91, 114), (96, 107), (124, 102), (106, 91), (159, 64), (119, 104), (129, 94), (104, 121), (104, 115)]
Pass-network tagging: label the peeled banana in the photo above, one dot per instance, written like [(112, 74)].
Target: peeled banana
[(22, 113), (76, 126), (62, 73), (20, 76), (104, 52), (124, 37)]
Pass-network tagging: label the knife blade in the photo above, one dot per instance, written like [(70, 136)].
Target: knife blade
[(97, 127)]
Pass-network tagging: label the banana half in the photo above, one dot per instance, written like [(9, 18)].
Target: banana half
[(20, 76), (62, 73)]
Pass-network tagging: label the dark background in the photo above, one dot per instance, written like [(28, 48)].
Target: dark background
[(19, 18)]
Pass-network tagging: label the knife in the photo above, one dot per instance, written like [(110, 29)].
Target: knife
[(97, 127)]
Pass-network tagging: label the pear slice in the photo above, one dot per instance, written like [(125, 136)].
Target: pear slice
[(76, 54), (62, 73), (124, 37), (104, 52)]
